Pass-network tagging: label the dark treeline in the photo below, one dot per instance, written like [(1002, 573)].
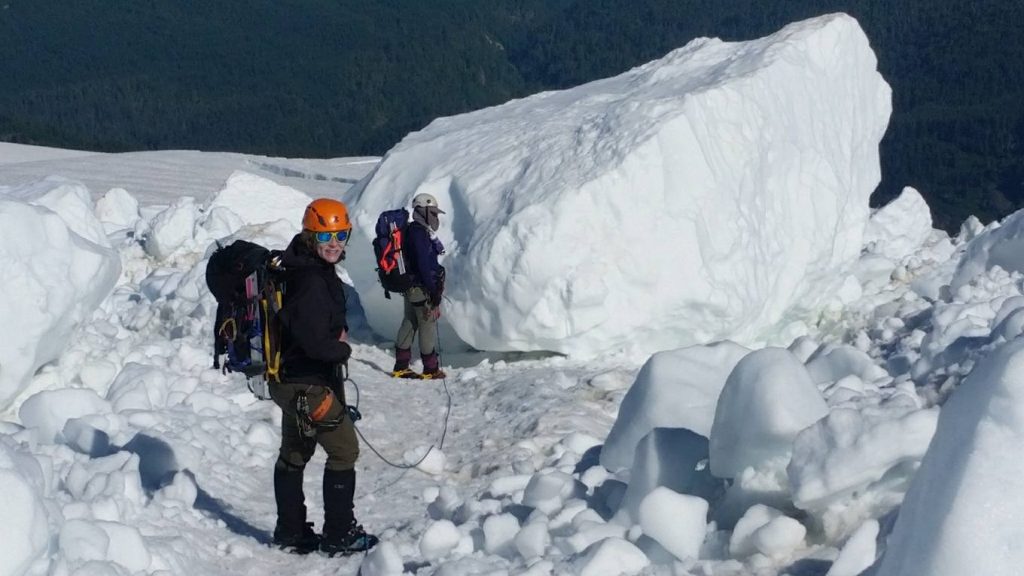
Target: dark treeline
[(323, 78)]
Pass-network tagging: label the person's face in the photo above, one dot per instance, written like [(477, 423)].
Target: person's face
[(330, 245)]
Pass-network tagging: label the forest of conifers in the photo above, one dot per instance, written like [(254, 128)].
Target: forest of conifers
[(326, 78)]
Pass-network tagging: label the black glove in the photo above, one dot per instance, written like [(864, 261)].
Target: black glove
[(435, 296)]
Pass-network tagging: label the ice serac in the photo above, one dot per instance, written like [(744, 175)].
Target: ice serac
[(713, 194), (962, 512)]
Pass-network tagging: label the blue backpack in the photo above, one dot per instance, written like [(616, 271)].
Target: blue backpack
[(392, 271)]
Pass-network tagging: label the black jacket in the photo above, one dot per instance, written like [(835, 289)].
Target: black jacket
[(312, 317)]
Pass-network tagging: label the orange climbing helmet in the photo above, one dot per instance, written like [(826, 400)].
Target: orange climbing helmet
[(326, 215)]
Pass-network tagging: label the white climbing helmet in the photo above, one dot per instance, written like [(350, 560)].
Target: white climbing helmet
[(424, 200)]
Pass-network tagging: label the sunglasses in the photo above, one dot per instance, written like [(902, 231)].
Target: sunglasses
[(325, 237)]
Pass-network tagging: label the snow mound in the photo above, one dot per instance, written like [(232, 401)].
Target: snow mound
[(57, 268), (846, 451), (674, 389), (673, 458), (858, 553), (256, 199), (957, 517), (1001, 246), (767, 400), (900, 227), (676, 521), (24, 530), (246, 200), (716, 194), (611, 557)]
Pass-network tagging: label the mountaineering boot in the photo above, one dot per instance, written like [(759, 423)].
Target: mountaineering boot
[(354, 541), (405, 373), (342, 535), (431, 371), (302, 543), (401, 369), (292, 533)]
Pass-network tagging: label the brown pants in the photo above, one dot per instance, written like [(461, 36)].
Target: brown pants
[(339, 442)]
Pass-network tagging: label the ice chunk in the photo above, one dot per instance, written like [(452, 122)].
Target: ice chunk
[(674, 389), (53, 278), (611, 557), (713, 194), (439, 539), (672, 458), (48, 411), (547, 491), (382, 560), (499, 533), (24, 531), (858, 553), (766, 401), (257, 200), (847, 451), (676, 521)]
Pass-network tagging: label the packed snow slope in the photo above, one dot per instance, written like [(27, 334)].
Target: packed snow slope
[(717, 193), (132, 193), (126, 453), (951, 500), (160, 177), (123, 452)]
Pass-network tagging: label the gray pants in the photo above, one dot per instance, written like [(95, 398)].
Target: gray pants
[(417, 319), (340, 442)]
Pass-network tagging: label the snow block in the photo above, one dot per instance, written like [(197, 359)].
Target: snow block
[(674, 389), (611, 557), (676, 521), (673, 458), (715, 194), (56, 267), (24, 531), (766, 401)]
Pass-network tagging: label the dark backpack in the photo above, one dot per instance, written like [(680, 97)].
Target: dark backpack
[(245, 278), (392, 271)]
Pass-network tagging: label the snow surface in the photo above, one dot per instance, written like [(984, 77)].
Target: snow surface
[(57, 268), (960, 494), (159, 177), (122, 451), (716, 194)]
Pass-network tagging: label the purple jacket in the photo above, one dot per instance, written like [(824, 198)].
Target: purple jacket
[(421, 254)]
